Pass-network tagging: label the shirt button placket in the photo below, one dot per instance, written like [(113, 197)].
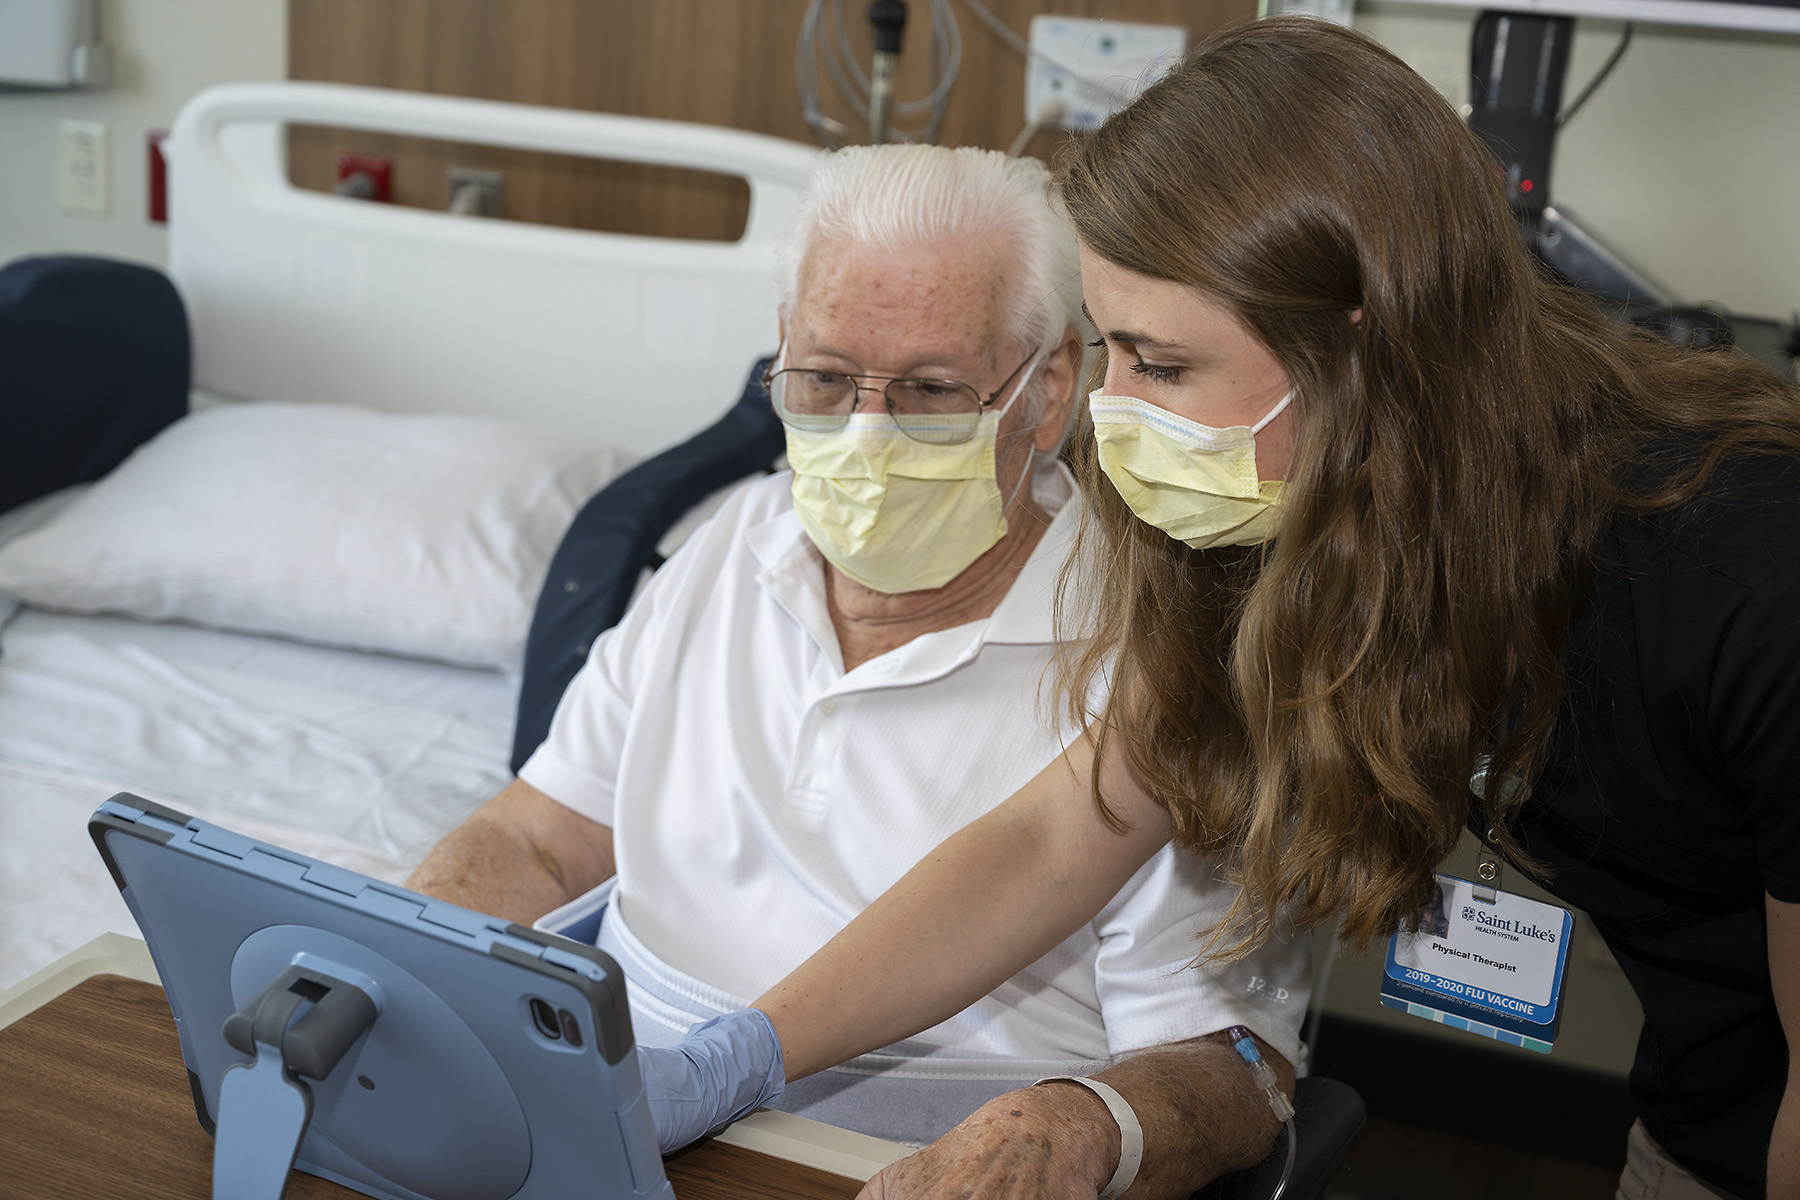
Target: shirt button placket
[(806, 783), (828, 744)]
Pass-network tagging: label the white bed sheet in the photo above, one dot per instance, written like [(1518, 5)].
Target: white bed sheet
[(360, 759)]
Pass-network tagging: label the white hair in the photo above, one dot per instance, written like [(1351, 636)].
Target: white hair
[(895, 196)]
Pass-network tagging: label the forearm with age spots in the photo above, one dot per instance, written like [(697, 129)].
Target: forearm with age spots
[(1201, 1116), (518, 857), (1033, 1144), (493, 871), (1201, 1112)]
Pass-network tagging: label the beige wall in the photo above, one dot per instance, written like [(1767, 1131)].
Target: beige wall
[(165, 51), (1685, 161)]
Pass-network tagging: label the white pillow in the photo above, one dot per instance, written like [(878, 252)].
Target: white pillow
[(419, 535)]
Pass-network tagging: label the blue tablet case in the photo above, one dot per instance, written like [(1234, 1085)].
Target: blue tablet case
[(399, 1045)]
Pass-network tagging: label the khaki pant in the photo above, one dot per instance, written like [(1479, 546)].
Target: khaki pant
[(1650, 1174)]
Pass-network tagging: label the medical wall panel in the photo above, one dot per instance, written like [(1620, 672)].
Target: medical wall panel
[(719, 62)]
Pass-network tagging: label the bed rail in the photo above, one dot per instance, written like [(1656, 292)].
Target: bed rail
[(303, 296)]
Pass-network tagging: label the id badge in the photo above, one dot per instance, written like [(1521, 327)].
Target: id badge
[(1495, 969)]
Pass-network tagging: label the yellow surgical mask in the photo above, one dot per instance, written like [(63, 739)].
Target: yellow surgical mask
[(899, 515), (1196, 483)]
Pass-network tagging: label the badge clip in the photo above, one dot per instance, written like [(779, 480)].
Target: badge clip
[(1490, 868), (1488, 871)]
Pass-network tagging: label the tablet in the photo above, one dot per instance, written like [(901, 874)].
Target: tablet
[(393, 1043)]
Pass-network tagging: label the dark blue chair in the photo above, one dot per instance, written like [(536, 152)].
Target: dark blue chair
[(614, 538)]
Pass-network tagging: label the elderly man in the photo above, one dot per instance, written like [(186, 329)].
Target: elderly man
[(849, 663)]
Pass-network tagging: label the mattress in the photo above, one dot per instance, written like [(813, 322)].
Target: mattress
[(364, 760)]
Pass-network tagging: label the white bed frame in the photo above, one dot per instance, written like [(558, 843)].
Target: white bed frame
[(305, 296)]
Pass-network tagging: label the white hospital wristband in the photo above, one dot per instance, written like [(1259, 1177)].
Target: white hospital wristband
[(1131, 1134)]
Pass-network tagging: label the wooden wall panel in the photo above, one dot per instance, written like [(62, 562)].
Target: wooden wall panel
[(548, 189), (721, 62)]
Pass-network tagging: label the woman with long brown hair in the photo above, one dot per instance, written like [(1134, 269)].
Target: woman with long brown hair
[(1373, 501)]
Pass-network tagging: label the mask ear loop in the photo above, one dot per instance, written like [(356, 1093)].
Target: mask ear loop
[(1018, 388), (1030, 459), (1272, 413), (1030, 469)]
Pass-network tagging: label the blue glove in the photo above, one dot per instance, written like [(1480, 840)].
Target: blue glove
[(723, 1068)]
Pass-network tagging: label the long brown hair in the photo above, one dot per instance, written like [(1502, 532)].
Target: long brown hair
[(1313, 708)]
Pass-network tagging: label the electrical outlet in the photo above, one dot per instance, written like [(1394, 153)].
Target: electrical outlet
[(84, 156), (1094, 68), (476, 193)]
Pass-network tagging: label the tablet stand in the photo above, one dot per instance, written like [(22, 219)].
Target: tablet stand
[(264, 1106)]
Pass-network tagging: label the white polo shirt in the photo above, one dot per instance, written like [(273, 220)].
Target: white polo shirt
[(761, 796)]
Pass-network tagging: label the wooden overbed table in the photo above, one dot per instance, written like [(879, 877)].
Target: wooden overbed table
[(94, 1101)]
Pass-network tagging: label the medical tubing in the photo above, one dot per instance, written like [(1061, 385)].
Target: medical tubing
[(825, 32), (1245, 1044), (844, 65), (1052, 110), (1568, 114), (887, 19), (1287, 1168)]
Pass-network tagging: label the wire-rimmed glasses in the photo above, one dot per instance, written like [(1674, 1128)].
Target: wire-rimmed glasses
[(941, 412)]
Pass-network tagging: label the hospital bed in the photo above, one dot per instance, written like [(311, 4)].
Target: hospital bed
[(302, 611)]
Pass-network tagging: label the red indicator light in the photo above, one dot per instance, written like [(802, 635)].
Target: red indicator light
[(377, 176), (1524, 185)]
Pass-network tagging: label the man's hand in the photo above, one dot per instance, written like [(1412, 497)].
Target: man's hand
[(1201, 1113), (1055, 1142)]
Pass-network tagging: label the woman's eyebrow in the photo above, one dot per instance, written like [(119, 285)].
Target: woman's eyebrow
[(1128, 337)]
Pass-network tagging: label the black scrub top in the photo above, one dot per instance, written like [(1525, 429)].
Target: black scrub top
[(1668, 806)]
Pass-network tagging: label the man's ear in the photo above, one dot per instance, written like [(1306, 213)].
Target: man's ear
[(1059, 377)]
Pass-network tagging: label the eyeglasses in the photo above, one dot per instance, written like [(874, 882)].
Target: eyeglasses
[(938, 411)]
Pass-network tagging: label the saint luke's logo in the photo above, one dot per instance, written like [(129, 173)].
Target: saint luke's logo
[(1511, 930)]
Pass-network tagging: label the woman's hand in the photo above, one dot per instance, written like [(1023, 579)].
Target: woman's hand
[(723, 1068)]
